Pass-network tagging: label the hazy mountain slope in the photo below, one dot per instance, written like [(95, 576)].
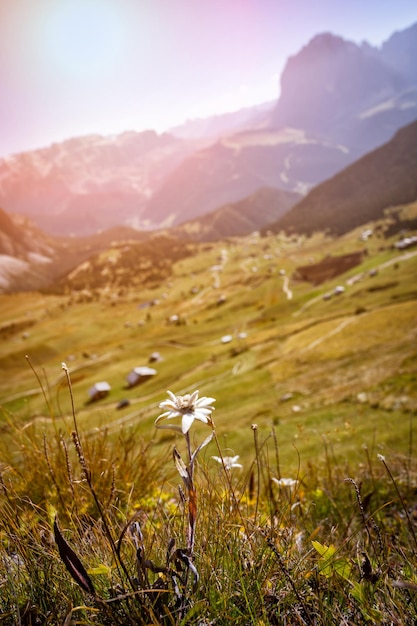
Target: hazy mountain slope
[(343, 100), (25, 254), (224, 124), (30, 259), (338, 101), (339, 79), (89, 183), (237, 166), (241, 218), (360, 193), (20, 238), (400, 52)]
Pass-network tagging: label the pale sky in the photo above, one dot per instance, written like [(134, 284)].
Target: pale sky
[(75, 67)]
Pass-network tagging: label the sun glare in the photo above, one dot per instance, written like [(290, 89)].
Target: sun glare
[(83, 38)]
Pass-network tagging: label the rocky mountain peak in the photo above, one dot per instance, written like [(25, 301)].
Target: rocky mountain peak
[(400, 52), (330, 83)]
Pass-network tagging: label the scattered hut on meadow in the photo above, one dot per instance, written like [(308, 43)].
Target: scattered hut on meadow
[(155, 357), (406, 242), (98, 391), (138, 375)]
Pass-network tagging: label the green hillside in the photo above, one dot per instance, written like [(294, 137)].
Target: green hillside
[(322, 351), (297, 502), (241, 218)]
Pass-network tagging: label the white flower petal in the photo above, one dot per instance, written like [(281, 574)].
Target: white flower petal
[(167, 404), (189, 407), (193, 398), (163, 415), (187, 420), (205, 412), (166, 426), (285, 482), (173, 414), (201, 417), (205, 402), (228, 461)]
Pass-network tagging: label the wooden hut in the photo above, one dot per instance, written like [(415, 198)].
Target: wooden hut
[(138, 375)]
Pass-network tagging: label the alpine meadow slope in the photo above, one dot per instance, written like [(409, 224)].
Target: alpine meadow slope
[(211, 421), (285, 336)]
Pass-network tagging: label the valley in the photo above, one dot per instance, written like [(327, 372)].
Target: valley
[(208, 333), (328, 363)]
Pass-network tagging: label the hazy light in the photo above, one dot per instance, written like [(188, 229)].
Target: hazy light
[(82, 37), (74, 67)]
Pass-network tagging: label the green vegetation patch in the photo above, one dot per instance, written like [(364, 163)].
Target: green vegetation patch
[(286, 513)]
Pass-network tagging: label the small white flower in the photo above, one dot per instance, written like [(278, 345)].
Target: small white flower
[(285, 482), (189, 407), (229, 461)]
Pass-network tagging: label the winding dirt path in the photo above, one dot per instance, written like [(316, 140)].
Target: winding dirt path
[(336, 330), (285, 288)]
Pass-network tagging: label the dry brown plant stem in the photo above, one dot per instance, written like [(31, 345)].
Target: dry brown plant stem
[(87, 474)]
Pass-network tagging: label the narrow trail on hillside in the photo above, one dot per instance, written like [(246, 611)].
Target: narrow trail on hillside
[(217, 269), (285, 288), (216, 280), (331, 333)]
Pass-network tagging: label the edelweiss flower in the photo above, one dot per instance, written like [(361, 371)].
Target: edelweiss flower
[(189, 407), (285, 482), (229, 461)]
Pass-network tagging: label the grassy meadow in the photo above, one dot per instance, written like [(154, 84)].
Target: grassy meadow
[(315, 393)]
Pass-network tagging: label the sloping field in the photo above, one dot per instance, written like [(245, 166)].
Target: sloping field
[(315, 364)]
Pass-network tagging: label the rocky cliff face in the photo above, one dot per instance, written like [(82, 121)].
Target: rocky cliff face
[(354, 95), (400, 53)]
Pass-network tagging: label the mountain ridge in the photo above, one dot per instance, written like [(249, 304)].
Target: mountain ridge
[(319, 125), (237, 166), (345, 83), (87, 179)]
